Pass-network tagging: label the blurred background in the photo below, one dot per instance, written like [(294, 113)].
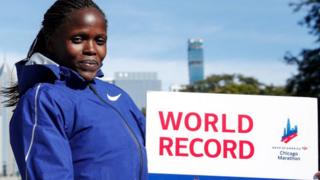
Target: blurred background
[(244, 47)]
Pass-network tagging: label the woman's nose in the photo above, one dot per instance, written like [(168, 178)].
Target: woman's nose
[(89, 48)]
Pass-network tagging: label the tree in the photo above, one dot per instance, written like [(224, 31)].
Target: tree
[(234, 84), (307, 81)]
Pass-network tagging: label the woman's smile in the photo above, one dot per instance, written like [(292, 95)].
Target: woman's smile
[(88, 65)]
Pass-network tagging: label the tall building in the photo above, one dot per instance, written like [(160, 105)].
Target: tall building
[(136, 84), (195, 60), (7, 162)]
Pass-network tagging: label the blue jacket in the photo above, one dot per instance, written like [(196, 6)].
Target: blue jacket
[(66, 128)]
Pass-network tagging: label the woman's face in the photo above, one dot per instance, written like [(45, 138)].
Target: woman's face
[(80, 42)]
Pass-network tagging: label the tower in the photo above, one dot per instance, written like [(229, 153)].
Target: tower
[(5, 115), (195, 60), (8, 166)]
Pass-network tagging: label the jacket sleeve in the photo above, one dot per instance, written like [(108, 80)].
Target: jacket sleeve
[(38, 137)]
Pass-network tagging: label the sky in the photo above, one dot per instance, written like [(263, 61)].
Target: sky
[(244, 36)]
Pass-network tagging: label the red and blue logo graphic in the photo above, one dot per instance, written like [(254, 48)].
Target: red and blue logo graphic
[(289, 132)]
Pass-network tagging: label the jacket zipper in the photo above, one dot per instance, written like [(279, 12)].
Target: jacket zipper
[(133, 136)]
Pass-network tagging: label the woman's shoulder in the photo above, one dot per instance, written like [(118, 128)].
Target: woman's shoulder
[(46, 92)]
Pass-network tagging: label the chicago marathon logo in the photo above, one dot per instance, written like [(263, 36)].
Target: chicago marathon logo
[(289, 132)]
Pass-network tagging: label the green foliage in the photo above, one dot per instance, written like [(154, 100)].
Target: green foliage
[(307, 81), (312, 18), (143, 110), (234, 84)]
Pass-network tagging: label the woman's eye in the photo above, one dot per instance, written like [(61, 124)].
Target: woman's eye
[(76, 39), (101, 40)]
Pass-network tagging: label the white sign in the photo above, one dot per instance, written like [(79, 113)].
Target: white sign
[(232, 135)]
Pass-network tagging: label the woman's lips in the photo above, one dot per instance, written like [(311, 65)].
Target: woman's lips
[(88, 65)]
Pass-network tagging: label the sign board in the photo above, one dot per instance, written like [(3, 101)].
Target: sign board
[(232, 135)]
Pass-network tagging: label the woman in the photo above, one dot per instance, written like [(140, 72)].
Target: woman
[(68, 124)]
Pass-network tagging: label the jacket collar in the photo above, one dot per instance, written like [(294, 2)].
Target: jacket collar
[(39, 68)]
